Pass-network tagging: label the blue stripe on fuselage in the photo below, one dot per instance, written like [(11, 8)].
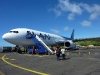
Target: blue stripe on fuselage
[(66, 38)]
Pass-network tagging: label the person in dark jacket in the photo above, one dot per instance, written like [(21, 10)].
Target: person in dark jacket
[(58, 53)]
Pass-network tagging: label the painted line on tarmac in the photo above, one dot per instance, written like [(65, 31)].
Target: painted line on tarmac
[(6, 58), (12, 59), (26, 69), (1, 73), (35, 55)]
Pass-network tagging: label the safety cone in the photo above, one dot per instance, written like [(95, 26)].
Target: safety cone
[(79, 53), (67, 53), (89, 52)]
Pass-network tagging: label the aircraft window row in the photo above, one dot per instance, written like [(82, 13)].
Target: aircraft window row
[(13, 32), (44, 36)]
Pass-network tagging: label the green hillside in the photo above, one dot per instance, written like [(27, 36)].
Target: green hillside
[(88, 41)]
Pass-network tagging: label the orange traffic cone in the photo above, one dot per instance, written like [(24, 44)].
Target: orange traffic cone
[(79, 53), (89, 52), (67, 52)]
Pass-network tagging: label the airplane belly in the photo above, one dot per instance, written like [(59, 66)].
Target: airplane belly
[(23, 42), (28, 42)]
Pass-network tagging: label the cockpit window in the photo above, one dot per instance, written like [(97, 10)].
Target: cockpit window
[(13, 32), (10, 32)]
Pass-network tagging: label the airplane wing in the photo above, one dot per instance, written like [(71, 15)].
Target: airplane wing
[(60, 41)]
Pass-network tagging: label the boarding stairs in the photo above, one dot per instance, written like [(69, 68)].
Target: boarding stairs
[(39, 42)]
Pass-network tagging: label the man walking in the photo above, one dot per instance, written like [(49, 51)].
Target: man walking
[(63, 53)]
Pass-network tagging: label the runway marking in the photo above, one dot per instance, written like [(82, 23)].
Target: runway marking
[(12, 59), (1, 73), (36, 55), (26, 69), (6, 58), (41, 56)]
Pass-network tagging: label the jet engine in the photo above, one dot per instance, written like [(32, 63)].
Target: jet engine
[(67, 44)]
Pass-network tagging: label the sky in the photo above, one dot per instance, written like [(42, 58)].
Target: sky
[(52, 16)]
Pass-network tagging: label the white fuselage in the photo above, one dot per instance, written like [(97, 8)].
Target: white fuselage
[(18, 37)]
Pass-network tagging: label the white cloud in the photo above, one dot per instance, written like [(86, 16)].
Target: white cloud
[(66, 6), (94, 10), (71, 16), (55, 31), (57, 12), (73, 8), (86, 23), (66, 28)]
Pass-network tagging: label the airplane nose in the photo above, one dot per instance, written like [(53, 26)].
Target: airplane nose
[(5, 37), (10, 37)]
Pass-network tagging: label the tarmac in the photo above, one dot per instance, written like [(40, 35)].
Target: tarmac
[(78, 62)]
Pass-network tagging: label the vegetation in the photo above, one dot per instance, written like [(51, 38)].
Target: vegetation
[(88, 41)]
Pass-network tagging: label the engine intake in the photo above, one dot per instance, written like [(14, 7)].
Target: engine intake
[(67, 44)]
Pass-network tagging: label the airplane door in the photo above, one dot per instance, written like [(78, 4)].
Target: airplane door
[(28, 32)]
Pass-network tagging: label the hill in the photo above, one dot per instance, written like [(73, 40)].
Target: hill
[(88, 41)]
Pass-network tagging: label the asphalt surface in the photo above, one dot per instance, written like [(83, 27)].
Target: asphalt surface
[(79, 62)]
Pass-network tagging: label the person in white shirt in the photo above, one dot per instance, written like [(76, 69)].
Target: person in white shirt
[(63, 53)]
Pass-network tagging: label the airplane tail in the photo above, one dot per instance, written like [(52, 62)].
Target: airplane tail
[(72, 35)]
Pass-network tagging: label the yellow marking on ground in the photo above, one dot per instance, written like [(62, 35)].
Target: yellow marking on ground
[(41, 56), (1, 73), (34, 55), (26, 69), (6, 58), (29, 55), (26, 54), (12, 59), (45, 55)]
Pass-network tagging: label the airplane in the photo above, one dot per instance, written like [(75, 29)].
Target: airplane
[(17, 37)]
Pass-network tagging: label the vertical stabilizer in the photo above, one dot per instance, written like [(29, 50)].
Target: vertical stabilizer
[(72, 35)]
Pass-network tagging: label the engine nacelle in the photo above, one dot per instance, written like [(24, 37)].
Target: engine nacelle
[(67, 44)]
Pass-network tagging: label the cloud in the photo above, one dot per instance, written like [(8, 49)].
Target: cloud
[(72, 9), (57, 12), (66, 28), (94, 10), (71, 16), (86, 23), (66, 6), (55, 31)]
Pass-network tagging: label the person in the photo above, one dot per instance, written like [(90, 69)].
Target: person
[(63, 53), (58, 53), (18, 50), (33, 50)]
